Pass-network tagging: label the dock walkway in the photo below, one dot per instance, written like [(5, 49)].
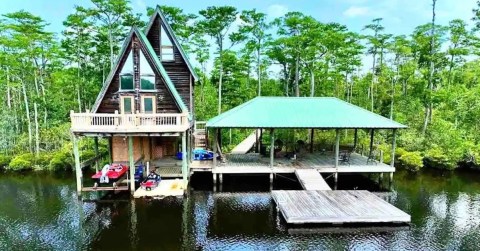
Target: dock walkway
[(165, 188), (336, 207), (311, 179), (247, 143)]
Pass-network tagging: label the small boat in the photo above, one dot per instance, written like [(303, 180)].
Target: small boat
[(151, 182), (110, 173)]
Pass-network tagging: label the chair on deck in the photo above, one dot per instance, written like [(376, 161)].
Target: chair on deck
[(344, 157)]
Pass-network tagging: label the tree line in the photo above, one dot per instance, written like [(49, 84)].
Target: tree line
[(428, 79)]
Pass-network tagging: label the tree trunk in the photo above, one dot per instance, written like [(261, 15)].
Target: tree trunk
[(312, 83), (259, 74), (27, 115), (428, 103), (297, 89), (37, 137), (373, 82), (285, 75), (9, 97), (110, 41), (220, 86)]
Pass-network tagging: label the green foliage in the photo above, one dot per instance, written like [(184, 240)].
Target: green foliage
[(412, 161), (61, 160), (436, 158), (22, 162), (4, 160)]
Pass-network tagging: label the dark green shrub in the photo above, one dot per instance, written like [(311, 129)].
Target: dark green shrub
[(436, 158), (4, 161), (61, 160), (22, 162), (411, 161), (43, 160)]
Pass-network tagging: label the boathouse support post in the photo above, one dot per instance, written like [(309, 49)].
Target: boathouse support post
[(110, 150), (392, 159), (355, 140), (312, 131), (337, 152), (257, 140), (272, 146), (131, 162), (184, 159), (215, 146), (97, 160), (78, 169), (372, 131)]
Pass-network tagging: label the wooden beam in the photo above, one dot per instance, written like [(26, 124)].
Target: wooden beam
[(95, 140), (215, 146), (372, 131), (110, 149), (355, 139), (337, 147), (312, 131), (392, 160), (78, 170), (184, 159), (131, 164), (272, 146)]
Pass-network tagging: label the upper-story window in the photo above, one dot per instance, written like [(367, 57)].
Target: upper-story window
[(166, 46), (147, 76), (126, 74)]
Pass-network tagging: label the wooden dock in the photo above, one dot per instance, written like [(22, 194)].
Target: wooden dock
[(165, 188), (311, 179), (336, 207), (247, 143)]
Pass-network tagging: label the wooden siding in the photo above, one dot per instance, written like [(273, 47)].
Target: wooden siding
[(177, 70)]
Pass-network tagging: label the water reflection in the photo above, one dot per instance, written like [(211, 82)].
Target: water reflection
[(41, 211)]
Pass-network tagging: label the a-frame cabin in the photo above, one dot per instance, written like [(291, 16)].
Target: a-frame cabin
[(145, 107)]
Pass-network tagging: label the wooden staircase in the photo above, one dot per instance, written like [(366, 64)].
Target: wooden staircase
[(200, 134)]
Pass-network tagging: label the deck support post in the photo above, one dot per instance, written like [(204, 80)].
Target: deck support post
[(214, 182), (380, 180), (312, 131), (272, 146), (184, 160), (355, 140), (271, 180), (220, 178), (215, 146), (371, 142), (337, 152), (131, 170), (392, 158), (257, 140), (78, 170), (97, 161), (110, 150)]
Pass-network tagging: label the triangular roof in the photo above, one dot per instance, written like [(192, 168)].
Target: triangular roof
[(169, 30), (156, 63), (300, 112)]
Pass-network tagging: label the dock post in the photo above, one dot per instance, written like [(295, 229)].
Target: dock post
[(355, 140), (214, 182), (184, 160), (337, 152), (271, 180), (215, 146), (390, 180), (95, 140), (220, 178), (312, 134), (78, 169), (380, 180), (131, 164), (371, 142), (272, 146)]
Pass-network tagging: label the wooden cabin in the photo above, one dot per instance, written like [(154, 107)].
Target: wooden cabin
[(145, 107)]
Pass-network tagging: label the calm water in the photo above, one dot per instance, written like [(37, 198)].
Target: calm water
[(41, 211)]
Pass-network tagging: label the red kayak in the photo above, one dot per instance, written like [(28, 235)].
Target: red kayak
[(110, 173)]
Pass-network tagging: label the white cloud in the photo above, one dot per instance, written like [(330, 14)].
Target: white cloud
[(276, 10), (356, 11)]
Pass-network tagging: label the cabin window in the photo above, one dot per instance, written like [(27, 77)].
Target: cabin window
[(166, 46), (147, 76), (126, 74), (148, 104), (127, 105)]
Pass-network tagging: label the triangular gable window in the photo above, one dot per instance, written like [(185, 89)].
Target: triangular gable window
[(166, 46), (147, 76), (126, 74)]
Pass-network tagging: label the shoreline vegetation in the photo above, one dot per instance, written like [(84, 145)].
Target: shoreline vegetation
[(428, 79)]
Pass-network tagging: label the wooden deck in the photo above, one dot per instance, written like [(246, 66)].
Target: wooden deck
[(323, 163), (311, 179), (165, 188), (247, 143), (336, 207)]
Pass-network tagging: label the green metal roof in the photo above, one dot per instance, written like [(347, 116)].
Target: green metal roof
[(289, 112), (162, 71)]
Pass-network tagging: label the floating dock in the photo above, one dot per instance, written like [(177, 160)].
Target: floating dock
[(311, 179), (165, 188), (336, 207)]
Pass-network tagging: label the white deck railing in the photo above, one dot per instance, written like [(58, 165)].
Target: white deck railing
[(128, 123)]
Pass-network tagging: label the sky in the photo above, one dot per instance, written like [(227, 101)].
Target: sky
[(400, 16)]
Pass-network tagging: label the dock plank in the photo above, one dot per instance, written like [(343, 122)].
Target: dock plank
[(311, 179), (336, 207)]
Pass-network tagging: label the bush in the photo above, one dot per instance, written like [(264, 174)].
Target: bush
[(436, 158), (412, 161), (4, 160), (43, 160), (22, 162), (61, 160)]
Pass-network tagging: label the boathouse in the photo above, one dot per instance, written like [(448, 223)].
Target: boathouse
[(302, 113), (145, 107)]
